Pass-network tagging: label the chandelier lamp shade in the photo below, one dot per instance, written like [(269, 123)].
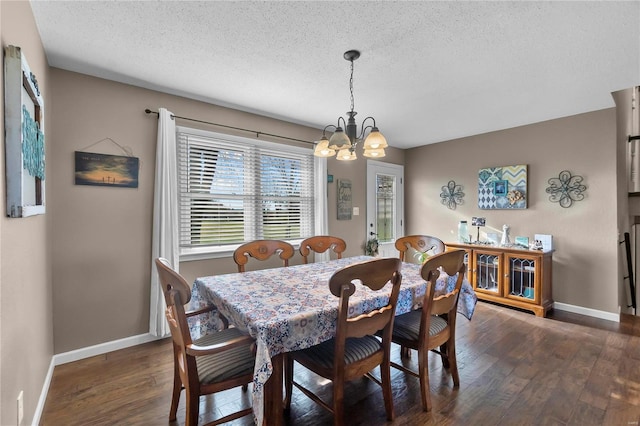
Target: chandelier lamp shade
[(345, 136)]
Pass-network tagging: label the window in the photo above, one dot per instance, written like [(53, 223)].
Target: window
[(233, 190), (385, 209)]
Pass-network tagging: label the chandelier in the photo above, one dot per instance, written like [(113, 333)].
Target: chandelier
[(345, 136)]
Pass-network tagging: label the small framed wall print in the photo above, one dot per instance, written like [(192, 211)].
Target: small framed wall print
[(344, 199), (478, 221), (500, 187)]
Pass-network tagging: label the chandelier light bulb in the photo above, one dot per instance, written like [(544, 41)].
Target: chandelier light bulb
[(375, 140), (374, 153), (346, 154), (323, 150)]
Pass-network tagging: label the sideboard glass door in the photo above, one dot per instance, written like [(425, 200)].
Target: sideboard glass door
[(522, 277), (487, 270)]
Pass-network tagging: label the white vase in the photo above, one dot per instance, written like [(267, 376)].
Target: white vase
[(505, 236)]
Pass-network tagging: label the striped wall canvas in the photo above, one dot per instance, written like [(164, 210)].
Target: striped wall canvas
[(503, 187)]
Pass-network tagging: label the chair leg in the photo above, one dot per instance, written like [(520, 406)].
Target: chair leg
[(338, 401), (444, 350), (177, 388), (193, 409), (405, 352), (288, 381), (453, 362), (423, 370), (385, 378)]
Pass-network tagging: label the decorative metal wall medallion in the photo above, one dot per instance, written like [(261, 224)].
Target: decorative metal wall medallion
[(452, 195), (565, 189)]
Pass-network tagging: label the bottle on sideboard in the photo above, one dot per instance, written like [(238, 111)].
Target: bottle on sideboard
[(463, 233)]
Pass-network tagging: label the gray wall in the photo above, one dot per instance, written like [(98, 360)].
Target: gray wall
[(26, 329), (585, 236)]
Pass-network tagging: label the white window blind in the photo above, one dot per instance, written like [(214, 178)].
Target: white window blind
[(234, 190)]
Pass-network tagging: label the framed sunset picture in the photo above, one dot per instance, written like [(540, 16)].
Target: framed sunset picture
[(106, 170)]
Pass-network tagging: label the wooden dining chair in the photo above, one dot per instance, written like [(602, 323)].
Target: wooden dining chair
[(262, 250), (433, 327), (320, 244), (213, 363), (425, 244), (354, 351)]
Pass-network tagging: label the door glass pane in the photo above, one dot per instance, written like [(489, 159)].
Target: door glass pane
[(385, 207)]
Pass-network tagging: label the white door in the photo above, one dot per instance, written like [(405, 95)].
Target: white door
[(385, 205)]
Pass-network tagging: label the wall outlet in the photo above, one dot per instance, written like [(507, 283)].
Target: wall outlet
[(20, 408)]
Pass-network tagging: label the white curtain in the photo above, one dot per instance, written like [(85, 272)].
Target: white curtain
[(164, 242), (322, 221)]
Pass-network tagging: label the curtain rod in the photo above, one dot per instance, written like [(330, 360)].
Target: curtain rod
[(257, 133)]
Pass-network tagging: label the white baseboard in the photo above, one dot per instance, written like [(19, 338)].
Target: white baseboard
[(43, 395), (609, 316), (103, 348)]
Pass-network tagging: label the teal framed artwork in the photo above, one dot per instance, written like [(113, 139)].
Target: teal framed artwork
[(502, 187), (24, 137)]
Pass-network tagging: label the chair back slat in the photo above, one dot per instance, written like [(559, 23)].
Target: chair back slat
[(420, 243), (370, 323), (320, 244), (374, 274), (177, 321), (171, 280), (262, 250), (445, 303)]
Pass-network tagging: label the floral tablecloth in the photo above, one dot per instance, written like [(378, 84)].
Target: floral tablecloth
[(286, 309)]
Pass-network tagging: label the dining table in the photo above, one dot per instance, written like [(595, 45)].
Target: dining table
[(290, 308)]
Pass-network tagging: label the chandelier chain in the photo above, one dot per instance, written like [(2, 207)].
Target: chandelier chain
[(351, 85)]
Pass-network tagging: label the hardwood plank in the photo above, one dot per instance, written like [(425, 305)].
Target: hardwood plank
[(584, 414)]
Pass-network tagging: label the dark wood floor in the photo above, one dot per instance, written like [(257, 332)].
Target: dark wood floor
[(515, 369)]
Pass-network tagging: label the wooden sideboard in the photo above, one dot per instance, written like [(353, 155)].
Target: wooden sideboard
[(515, 277)]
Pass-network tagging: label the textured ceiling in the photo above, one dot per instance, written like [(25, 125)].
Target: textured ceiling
[(429, 71)]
